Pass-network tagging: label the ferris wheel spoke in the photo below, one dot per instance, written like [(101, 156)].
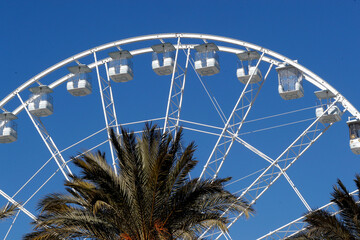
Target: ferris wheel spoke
[(270, 175), (211, 97), (24, 203), (299, 225), (176, 92), (107, 101), (270, 160), (50, 144), (20, 206), (233, 124)]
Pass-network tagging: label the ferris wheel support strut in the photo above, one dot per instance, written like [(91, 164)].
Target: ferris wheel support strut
[(270, 160), (234, 118), (176, 93), (111, 106), (182, 90), (107, 102), (50, 144), (269, 176), (299, 224), (172, 86), (18, 205)]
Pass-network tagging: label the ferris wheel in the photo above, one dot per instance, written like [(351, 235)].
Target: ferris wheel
[(252, 112)]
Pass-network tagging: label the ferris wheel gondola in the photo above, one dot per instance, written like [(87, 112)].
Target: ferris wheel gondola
[(8, 128), (41, 102), (354, 129), (79, 84), (290, 82), (121, 67), (247, 67), (206, 59)]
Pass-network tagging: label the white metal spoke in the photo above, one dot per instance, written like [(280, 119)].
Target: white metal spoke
[(235, 121), (285, 160), (268, 159), (23, 205), (108, 105), (111, 111), (10, 199), (299, 224), (302, 199), (12, 224), (50, 144), (104, 129), (211, 97), (176, 92), (182, 90)]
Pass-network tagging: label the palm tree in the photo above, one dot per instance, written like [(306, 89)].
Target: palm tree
[(7, 211), (346, 226), (151, 197)]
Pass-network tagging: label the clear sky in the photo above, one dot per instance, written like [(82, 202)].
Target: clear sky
[(323, 35)]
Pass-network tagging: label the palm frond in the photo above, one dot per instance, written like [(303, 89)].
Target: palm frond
[(326, 225), (150, 197), (7, 211)]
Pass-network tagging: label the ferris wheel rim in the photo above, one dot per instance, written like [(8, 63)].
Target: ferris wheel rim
[(309, 75)]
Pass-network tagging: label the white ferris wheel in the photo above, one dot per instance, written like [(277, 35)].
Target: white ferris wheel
[(252, 112)]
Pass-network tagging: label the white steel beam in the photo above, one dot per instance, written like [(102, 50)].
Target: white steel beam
[(182, 89), (286, 159), (233, 124), (107, 102), (112, 116), (170, 101), (270, 160), (50, 144), (298, 225), (176, 93), (18, 205)]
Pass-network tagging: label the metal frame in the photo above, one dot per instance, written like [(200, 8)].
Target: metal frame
[(299, 225), (270, 160), (50, 144), (20, 206), (234, 123), (230, 131), (176, 93), (287, 158), (107, 102)]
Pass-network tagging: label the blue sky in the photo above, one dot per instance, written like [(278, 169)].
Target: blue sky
[(322, 35)]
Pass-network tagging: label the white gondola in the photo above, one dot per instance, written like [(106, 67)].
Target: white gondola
[(121, 67), (163, 59), (8, 127), (290, 82), (325, 99), (79, 84), (247, 67), (354, 128), (206, 59), (41, 103)]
